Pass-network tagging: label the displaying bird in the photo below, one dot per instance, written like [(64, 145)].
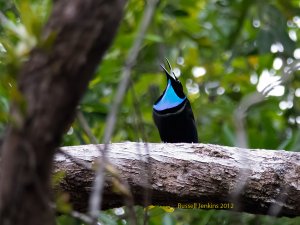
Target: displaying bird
[(172, 113)]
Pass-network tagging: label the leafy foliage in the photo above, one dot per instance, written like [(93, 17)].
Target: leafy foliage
[(22, 22), (223, 51)]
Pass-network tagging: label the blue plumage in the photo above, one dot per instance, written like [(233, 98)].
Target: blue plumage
[(169, 100)]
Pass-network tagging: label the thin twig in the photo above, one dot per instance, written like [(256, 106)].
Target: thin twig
[(78, 162), (240, 114), (147, 164), (83, 217), (85, 126), (96, 195), (257, 97), (122, 185)]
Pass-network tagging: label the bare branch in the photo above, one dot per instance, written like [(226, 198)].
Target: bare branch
[(191, 173)]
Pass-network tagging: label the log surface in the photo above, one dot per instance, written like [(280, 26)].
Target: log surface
[(191, 175)]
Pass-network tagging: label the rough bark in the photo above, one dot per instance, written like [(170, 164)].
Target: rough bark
[(191, 173), (51, 83)]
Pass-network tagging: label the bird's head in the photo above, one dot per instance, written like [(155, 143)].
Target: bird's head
[(173, 94)]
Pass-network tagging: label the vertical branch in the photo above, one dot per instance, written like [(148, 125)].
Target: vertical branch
[(51, 84)]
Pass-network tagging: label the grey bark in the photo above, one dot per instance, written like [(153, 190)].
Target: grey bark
[(211, 176)]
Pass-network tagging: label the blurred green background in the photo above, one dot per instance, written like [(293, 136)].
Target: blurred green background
[(225, 52)]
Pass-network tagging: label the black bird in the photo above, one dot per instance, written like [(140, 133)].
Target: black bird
[(172, 113)]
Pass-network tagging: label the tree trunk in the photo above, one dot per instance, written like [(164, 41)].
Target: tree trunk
[(191, 175), (51, 82)]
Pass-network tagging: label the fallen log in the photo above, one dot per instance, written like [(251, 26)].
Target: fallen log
[(189, 176)]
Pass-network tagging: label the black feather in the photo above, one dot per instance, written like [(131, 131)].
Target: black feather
[(175, 124)]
